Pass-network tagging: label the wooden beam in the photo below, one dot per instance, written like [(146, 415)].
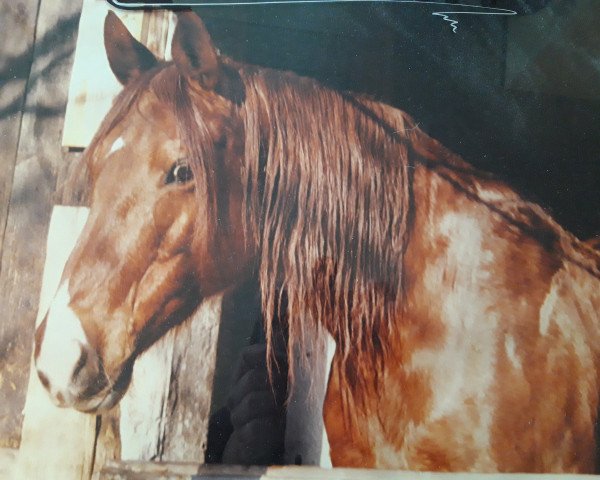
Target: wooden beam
[(192, 374), (39, 160), (8, 458), (189, 471), (164, 414), (93, 86), (56, 442), (306, 440), (177, 471)]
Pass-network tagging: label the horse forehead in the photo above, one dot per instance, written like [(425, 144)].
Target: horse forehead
[(149, 119), (117, 145), (128, 145)]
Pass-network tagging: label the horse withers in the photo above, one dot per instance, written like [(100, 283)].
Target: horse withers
[(465, 319)]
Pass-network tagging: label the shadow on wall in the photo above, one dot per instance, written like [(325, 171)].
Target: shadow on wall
[(53, 50)]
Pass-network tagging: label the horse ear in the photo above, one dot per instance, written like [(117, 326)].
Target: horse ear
[(127, 57), (193, 51)]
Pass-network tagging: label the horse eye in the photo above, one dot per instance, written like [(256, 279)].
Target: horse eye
[(179, 173)]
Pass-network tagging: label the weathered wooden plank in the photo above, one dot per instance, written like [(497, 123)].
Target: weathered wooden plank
[(16, 52), (108, 444), (306, 440), (187, 471), (8, 458), (72, 181), (143, 408), (157, 30), (192, 374), (164, 415), (93, 86), (39, 159), (55, 442), (183, 470)]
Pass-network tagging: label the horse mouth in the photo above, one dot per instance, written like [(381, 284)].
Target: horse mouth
[(105, 399), (100, 404)]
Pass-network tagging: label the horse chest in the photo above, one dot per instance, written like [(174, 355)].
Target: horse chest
[(408, 424), (504, 393)]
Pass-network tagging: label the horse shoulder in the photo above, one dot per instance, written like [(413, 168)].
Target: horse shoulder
[(517, 337)]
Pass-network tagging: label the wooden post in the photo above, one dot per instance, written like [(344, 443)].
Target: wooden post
[(39, 160), (93, 86), (16, 51), (56, 442), (306, 441), (164, 415), (7, 462)]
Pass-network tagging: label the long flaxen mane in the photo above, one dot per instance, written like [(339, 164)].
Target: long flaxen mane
[(328, 198)]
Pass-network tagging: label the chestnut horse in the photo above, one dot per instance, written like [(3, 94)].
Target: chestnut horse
[(465, 319)]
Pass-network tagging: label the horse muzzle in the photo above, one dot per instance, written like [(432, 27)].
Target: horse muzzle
[(67, 365)]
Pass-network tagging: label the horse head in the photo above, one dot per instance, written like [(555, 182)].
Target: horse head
[(157, 241)]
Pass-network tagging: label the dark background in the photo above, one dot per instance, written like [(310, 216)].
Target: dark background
[(540, 134)]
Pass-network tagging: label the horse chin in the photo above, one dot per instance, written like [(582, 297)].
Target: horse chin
[(107, 399), (102, 404)]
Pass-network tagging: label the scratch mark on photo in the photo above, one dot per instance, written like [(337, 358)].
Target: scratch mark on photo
[(445, 15)]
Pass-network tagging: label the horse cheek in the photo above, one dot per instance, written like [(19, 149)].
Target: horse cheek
[(159, 284)]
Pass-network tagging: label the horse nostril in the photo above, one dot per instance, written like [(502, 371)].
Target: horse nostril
[(83, 358)]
